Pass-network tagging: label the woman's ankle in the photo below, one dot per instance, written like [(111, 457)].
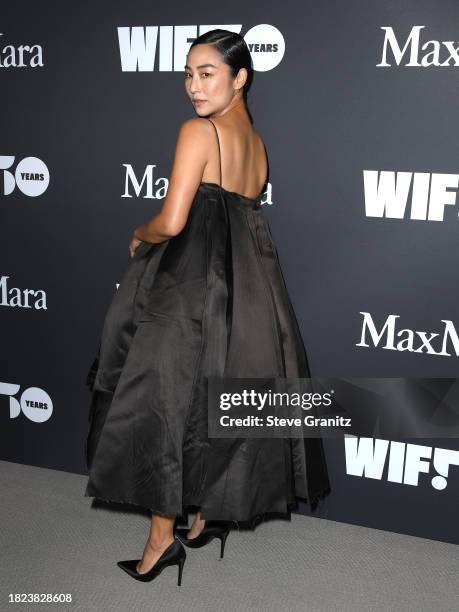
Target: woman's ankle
[(158, 541)]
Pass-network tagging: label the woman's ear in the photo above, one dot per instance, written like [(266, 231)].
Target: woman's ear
[(241, 78)]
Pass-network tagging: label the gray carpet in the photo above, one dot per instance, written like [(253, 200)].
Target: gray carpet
[(54, 540)]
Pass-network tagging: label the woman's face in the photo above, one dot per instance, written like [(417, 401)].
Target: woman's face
[(208, 80)]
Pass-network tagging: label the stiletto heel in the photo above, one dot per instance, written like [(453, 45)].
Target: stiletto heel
[(211, 530), (223, 537), (174, 554), (181, 563)]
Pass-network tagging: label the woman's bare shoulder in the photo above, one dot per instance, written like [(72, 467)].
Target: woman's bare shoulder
[(196, 130), (195, 124)]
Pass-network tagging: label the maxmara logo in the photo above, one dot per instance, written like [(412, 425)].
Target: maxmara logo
[(164, 48), (21, 56), (21, 298), (34, 402), (31, 175), (387, 194), (430, 53), (429, 343), (148, 187)]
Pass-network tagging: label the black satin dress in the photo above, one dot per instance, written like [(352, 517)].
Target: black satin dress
[(210, 301)]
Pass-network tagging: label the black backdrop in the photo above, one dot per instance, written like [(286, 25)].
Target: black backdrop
[(333, 118)]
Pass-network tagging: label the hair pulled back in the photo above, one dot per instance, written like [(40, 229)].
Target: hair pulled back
[(234, 51)]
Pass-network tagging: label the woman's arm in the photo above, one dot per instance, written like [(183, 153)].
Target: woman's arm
[(190, 158)]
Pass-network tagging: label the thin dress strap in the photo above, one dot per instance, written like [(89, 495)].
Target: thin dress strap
[(219, 151)]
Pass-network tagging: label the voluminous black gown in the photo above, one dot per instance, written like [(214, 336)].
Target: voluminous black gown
[(210, 301)]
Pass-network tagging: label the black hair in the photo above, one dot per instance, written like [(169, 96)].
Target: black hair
[(234, 51)]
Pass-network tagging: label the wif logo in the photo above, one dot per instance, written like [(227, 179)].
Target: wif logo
[(387, 194), (367, 458), (141, 48)]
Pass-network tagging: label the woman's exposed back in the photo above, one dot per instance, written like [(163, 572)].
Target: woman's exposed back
[(244, 165)]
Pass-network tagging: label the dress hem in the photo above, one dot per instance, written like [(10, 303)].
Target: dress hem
[(182, 518)]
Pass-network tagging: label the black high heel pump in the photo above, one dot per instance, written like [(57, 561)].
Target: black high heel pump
[(174, 554), (211, 530)]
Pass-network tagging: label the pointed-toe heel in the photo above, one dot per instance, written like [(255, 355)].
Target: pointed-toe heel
[(174, 554), (211, 530)]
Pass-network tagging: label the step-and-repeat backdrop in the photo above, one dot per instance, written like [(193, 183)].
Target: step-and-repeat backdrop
[(357, 103)]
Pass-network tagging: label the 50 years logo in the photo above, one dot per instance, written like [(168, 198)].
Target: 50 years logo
[(34, 402), (31, 175)]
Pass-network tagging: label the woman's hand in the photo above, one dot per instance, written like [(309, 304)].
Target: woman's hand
[(133, 245)]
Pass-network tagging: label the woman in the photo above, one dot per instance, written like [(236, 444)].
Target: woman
[(203, 296)]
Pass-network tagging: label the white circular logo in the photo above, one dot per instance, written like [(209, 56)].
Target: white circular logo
[(266, 45), (36, 404), (32, 176)]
